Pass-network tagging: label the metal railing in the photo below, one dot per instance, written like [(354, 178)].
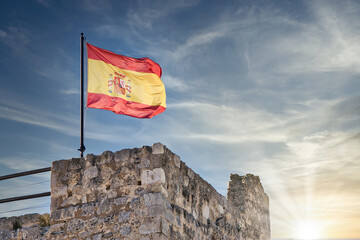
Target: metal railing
[(20, 174)]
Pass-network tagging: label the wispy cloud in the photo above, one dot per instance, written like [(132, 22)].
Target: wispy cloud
[(70, 91), (329, 43), (23, 163), (145, 13), (174, 83), (15, 37)]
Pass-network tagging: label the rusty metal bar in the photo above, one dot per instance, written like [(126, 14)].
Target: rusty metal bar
[(13, 199), (20, 174)]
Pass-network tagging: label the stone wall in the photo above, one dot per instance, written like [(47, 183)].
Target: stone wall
[(30, 226), (247, 194), (148, 193)]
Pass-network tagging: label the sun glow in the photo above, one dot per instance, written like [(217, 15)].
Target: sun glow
[(308, 231)]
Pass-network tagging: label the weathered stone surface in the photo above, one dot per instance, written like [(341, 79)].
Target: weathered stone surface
[(121, 200), (104, 207), (158, 148), (144, 193), (177, 161), (123, 216), (150, 225), (75, 225), (156, 175), (70, 201), (97, 236), (124, 231), (153, 199), (91, 172), (247, 194), (88, 209), (122, 156)]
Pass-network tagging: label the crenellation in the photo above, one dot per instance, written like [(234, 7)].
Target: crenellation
[(149, 193)]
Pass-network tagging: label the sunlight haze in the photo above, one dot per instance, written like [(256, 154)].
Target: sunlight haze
[(270, 88)]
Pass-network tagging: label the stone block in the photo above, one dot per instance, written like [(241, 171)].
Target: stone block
[(90, 160), (106, 173), (150, 225), (78, 190), (206, 212), (139, 191), (123, 216), (107, 235), (104, 207), (68, 213), (186, 181), (135, 203), (156, 210), (97, 236), (190, 173), (111, 194), (120, 200), (159, 236), (88, 209), (93, 223), (177, 161), (59, 191), (91, 172), (122, 156), (75, 225), (168, 215), (156, 175), (85, 234), (158, 148), (60, 165), (126, 230), (153, 199), (108, 219), (70, 201), (106, 157), (56, 229), (165, 227), (145, 163), (75, 163), (220, 209)]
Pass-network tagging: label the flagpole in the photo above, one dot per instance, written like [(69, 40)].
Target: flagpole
[(82, 147)]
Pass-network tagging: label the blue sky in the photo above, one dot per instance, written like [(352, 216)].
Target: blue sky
[(263, 87)]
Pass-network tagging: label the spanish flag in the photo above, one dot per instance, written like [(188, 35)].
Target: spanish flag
[(124, 85)]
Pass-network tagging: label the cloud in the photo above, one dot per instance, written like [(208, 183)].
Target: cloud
[(198, 40), (15, 37), (26, 113), (220, 123), (329, 43), (70, 91), (3, 34), (145, 13), (174, 83), (23, 163)]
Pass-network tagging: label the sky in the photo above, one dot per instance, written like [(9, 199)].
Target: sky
[(263, 87)]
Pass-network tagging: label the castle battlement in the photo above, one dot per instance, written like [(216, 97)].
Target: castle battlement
[(146, 193)]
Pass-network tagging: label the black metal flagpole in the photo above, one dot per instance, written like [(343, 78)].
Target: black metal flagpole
[(82, 147)]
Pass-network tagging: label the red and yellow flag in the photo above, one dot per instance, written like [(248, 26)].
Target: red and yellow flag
[(124, 85)]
